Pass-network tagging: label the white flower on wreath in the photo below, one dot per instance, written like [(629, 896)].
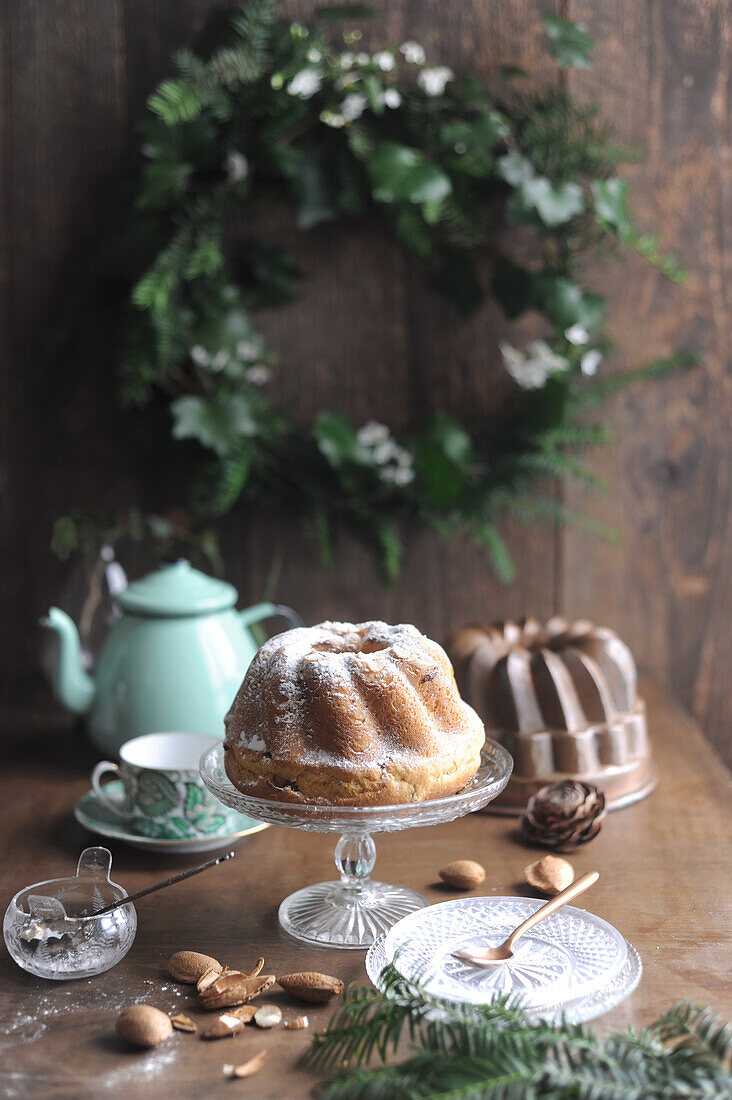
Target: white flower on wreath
[(362, 59), (392, 98), (531, 370), (314, 56), (413, 53), (577, 334), (330, 118), (353, 106), (346, 60), (385, 452), (237, 167), (434, 81), (220, 359), (246, 350), (397, 475), (199, 355), (590, 361), (258, 375), (372, 433), (305, 83), (346, 81), (384, 60)]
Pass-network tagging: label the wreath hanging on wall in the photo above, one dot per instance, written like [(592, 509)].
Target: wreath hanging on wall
[(264, 105)]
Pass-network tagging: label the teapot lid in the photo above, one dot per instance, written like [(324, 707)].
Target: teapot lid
[(176, 590)]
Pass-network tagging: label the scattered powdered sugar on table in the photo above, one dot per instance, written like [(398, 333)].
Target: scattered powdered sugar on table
[(141, 1067)]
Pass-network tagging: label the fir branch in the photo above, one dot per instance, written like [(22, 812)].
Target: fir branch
[(657, 368), (495, 1052)]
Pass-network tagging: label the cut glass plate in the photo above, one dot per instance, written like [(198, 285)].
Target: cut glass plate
[(569, 955)]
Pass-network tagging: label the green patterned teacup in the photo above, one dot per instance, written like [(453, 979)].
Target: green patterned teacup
[(165, 796)]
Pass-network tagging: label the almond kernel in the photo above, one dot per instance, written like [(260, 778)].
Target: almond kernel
[(463, 874)]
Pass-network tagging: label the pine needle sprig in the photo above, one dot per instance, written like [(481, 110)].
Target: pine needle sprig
[(496, 1052)]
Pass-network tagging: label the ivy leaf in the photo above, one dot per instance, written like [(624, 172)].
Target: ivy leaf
[(314, 188), (65, 537), (374, 90), (489, 536), (515, 169), (443, 457), (389, 551), (224, 322), (565, 304), (554, 205), (507, 73), (474, 142), (611, 199), (401, 174), (570, 44), (217, 423), (337, 441)]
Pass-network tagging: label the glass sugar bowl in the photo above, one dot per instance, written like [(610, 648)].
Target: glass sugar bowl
[(50, 928)]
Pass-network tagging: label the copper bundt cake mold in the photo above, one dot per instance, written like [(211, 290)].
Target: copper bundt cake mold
[(562, 698)]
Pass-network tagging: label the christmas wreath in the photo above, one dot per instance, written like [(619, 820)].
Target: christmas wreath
[(264, 105)]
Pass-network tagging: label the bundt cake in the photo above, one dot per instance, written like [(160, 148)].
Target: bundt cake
[(562, 698), (351, 714)]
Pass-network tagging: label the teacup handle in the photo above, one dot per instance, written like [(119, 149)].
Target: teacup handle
[(102, 767)]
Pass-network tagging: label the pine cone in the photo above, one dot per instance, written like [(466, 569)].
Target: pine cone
[(563, 815)]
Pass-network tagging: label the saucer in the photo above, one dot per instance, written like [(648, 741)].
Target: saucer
[(570, 1010), (98, 818), (570, 955)]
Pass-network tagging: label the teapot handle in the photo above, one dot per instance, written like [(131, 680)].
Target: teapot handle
[(259, 611)]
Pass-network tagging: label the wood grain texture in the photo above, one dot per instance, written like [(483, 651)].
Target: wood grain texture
[(662, 867), (662, 76), (370, 339)]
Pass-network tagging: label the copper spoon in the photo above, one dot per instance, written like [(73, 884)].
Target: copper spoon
[(494, 956)]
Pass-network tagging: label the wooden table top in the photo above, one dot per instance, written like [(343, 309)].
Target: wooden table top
[(665, 865)]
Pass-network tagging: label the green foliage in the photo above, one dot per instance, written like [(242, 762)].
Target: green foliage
[(263, 105), (570, 44), (495, 1052), (401, 174)]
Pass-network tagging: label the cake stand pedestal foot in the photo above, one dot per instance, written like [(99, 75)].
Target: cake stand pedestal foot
[(354, 912)]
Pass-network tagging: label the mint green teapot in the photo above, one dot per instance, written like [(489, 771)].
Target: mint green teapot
[(173, 661)]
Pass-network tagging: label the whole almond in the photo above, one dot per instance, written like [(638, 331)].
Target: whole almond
[(550, 874), (233, 988), (222, 1027), (143, 1025), (189, 966), (463, 874), (311, 986)]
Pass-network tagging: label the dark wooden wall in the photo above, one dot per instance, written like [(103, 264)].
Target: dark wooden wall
[(371, 340)]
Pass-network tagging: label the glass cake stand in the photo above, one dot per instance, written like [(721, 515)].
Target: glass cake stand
[(355, 911)]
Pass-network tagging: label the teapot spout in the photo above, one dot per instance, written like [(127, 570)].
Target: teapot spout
[(72, 686)]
